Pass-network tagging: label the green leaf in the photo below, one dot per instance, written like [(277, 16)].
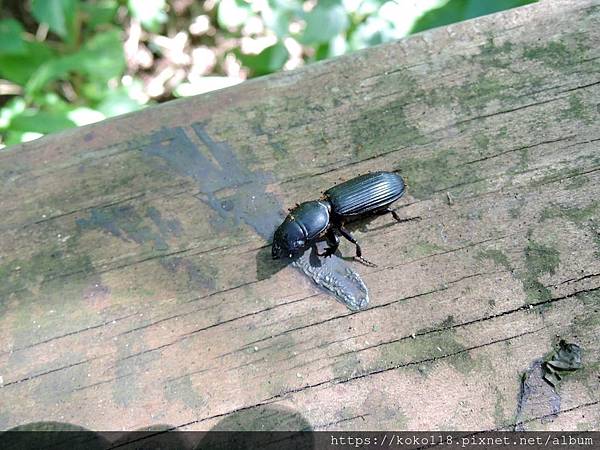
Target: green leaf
[(368, 7), (13, 107), (50, 114), (278, 21), (92, 91), (20, 68), (151, 13), (117, 102), (99, 13), (50, 71), (270, 60), (51, 100), (459, 10), (476, 8), (337, 46), (58, 14), (233, 13), (41, 121), (321, 52), (286, 5), (11, 38), (100, 59), (324, 22), (373, 31), (12, 137)]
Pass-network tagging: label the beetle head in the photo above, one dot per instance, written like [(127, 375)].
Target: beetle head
[(289, 239)]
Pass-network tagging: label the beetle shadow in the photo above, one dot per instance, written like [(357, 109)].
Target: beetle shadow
[(313, 258), (362, 225), (266, 266)]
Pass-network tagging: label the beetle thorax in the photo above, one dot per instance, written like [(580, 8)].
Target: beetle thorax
[(305, 223), (312, 217), (289, 239)]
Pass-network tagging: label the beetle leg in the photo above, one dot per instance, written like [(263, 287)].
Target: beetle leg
[(395, 215), (348, 236), (333, 242)]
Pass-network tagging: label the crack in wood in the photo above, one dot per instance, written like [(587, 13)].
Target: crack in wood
[(546, 416), (343, 380), (512, 150), (70, 333), (190, 334), (58, 369), (337, 422), (551, 109), (575, 280), (524, 307)]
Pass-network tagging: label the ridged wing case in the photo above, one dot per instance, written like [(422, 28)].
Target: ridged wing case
[(365, 194)]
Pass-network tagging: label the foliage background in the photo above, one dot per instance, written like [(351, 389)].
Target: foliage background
[(66, 63)]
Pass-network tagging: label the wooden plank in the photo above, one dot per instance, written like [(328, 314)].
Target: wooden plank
[(136, 286)]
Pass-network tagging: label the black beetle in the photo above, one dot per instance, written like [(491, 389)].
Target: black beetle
[(354, 199)]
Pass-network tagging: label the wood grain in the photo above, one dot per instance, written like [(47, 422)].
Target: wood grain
[(136, 286)]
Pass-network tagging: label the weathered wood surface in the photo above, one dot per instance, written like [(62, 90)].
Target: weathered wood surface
[(128, 300)]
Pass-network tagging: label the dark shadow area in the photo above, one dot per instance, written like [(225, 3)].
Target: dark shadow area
[(266, 266), (362, 224), (52, 436), (393, 223), (313, 259), (153, 437), (539, 396), (262, 427), (270, 427)]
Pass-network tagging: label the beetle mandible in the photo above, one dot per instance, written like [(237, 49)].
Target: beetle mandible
[(360, 197)]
